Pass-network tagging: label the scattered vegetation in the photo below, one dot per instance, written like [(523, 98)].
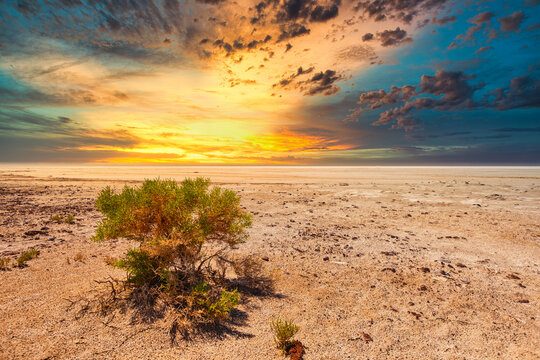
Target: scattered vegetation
[(109, 260), (4, 263), (57, 218), (68, 219), (283, 333), (185, 232), (25, 256)]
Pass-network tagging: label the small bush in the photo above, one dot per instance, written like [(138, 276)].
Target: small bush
[(184, 232), (69, 219), (283, 332), (78, 257), (249, 268), (4, 263), (57, 218), (109, 260), (25, 256)]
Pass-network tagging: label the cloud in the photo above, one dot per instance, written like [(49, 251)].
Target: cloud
[(319, 83), (65, 120), (132, 51), (376, 99), (367, 37), (28, 8), (322, 83), (523, 92), (306, 10), (294, 11), (512, 22), (393, 37), (404, 11), (482, 49), (357, 53), (482, 22), (293, 30), (445, 91), (444, 20), (482, 18)]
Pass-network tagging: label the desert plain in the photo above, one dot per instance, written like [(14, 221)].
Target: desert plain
[(369, 262)]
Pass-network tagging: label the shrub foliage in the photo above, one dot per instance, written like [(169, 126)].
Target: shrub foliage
[(283, 333), (184, 233)]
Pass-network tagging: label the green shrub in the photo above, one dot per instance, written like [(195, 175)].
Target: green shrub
[(283, 332), (70, 219), (216, 307), (25, 256), (184, 233)]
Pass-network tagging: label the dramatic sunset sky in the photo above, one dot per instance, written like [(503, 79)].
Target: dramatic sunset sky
[(307, 82)]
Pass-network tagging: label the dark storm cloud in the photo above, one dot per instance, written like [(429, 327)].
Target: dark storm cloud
[(523, 92), (446, 91), (402, 10), (294, 11), (321, 13), (376, 99), (453, 88), (319, 83), (304, 10), (238, 44), (367, 37), (289, 79), (322, 83), (452, 85), (289, 31), (393, 37), (512, 22)]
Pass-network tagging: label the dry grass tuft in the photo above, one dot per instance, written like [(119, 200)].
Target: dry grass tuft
[(283, 333), (25, 256), (4, 263)]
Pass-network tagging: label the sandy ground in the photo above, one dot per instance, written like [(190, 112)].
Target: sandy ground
[(431, 263)]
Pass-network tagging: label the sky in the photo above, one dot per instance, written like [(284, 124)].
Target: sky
[(270, 82)]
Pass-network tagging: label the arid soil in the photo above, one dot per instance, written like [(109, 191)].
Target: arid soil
[(371, 263)]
